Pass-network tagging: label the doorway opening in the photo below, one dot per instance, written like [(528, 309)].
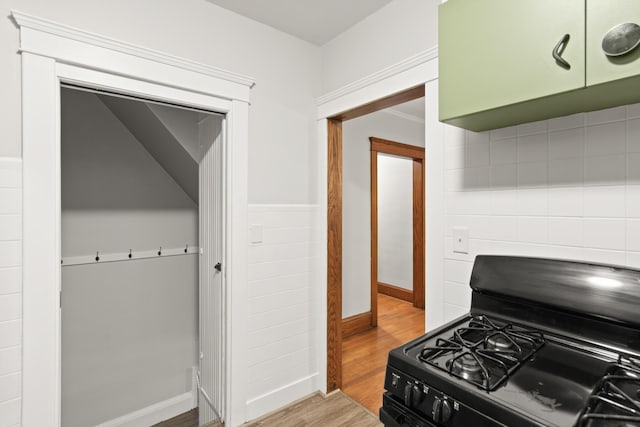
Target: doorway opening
[(354, 306), (142, 298)]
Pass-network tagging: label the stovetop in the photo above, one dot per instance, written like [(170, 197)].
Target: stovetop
[(546, 343), (550, 384)]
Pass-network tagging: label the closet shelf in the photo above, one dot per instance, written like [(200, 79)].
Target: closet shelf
[(130, 255)]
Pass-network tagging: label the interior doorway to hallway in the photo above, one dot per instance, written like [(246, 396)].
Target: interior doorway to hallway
[(357, 312)]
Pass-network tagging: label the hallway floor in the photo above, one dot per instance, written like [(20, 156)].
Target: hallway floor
[(364, 355)]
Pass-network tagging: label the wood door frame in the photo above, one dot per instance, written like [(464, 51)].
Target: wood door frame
[(416, 154), (334, 224)]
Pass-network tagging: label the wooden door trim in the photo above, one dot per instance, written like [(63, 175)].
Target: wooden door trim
[(334, 225), (379, 145)]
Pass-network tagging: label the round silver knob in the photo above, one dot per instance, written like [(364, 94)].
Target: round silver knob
[(621, 39)]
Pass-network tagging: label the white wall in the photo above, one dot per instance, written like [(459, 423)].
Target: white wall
[(356, 204), (397, 31), (562, 188), (286, 69), (129, 329), (395, 221)]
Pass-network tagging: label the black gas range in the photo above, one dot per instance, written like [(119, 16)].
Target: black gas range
[(546, 343)]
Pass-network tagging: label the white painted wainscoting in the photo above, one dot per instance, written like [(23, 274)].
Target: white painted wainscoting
[(10, 291), (282, 354)]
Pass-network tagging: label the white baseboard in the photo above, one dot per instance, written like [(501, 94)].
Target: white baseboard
[(280, 397), (155, 413)]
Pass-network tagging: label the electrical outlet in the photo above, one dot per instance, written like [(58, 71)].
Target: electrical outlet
[(461, 240)]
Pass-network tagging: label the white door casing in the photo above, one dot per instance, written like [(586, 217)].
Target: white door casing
[(420, 69), (53, 54)]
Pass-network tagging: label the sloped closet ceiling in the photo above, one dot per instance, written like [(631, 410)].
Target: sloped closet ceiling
[(170, 135)]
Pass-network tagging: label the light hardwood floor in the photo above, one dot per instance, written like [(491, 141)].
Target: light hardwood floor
[(364, 355), (335, 410)]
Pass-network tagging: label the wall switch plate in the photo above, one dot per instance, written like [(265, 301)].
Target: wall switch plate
[(461, 240), (255, 233)]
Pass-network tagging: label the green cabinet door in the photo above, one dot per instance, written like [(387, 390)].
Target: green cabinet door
[(603, 15), (494, 53)]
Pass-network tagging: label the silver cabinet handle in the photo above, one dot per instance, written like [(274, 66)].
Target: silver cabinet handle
[(621, 39), (557, 52)]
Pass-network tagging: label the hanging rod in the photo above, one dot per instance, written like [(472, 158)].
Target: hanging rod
[(100, 258)]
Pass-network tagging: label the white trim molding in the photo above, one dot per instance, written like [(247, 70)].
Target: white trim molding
[(381, 75), (402, 115), (25, 20), (420, 69), (55, 54), (155, 413)]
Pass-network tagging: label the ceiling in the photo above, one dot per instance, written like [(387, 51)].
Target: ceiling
[(413, 108), (311, 20)]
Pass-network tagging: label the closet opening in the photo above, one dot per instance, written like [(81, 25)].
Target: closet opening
[(142, 270)]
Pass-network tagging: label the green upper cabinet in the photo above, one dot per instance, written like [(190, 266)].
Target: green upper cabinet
[(497, 53), (602, 16)]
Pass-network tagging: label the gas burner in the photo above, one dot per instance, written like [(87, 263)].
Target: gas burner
[(500, 342), (467, 366), (616, 399), (483, 353)]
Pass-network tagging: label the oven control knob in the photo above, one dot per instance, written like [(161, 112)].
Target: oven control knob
[(441, 410), (417, 395)]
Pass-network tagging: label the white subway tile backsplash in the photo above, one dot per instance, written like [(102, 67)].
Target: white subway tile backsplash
[(476, 178), (633, 168), (10, 280), (633, 136), (532, 128), (633, 201), (633, 259), (633, 110), (503, 133), (533, 174), (10, 334), (10, 387), (566, 144), (475, 138), (477, 152), (454, 180), (10, 254), (604, 256), (605, 170), (10, 413), (533, 148), (605, 202), (504, 176), (567, 122), (633, 235), (457, 271), (566, 231), (504, 202), (457, 294), (566, 201), (608, 115), (10, 360), (604, 233), (452, 311), (10, 227), (10, 307), (532, 229), (566, 172), (605, 139), (10, 176), (454, 157), (504, 151), (532, 202), (10, 201)]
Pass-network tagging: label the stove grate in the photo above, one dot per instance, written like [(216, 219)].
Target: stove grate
[(483, 353), (616, 398)]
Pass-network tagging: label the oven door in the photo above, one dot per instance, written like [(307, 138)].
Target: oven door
[(395, 414)]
